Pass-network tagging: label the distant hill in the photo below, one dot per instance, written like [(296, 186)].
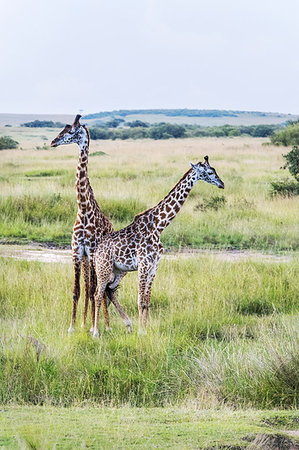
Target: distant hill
[(17, 119), (204, 117)]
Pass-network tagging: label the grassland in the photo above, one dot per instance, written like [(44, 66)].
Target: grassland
[(46, 428), (37, 200), (220, 334), (219, 367)]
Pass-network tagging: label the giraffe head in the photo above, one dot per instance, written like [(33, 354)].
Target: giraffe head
[(76, 133), (203, 171)]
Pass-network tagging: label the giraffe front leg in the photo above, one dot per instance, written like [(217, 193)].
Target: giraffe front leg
[(86, 273), (93, 286), (98, 301), (146, 278), (76, 294), (106, 313), (142, 300)]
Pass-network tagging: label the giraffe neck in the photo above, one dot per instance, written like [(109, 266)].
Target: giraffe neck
[(165, 211), (82, 182)]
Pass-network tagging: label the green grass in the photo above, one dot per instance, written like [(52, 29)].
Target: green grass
[(38, 202), (220, 334), (40, 427)]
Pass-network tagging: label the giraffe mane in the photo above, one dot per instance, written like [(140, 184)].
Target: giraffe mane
[(161, 201), (87, 132)]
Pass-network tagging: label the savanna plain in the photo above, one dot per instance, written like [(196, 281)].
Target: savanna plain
[(219, 366)]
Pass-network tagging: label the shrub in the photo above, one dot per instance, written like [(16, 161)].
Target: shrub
[(285, 188), (214, 202), (100, 133), (288, 136), (7, 143), (293, 162), (43, 124)]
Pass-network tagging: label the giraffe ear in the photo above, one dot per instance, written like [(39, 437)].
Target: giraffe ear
[(193, 166)]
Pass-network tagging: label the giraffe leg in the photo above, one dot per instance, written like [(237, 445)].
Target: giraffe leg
[(146, 278), (86, 273), (106, 313), (93, 286), (98, 300), (76, 294), (103, 266), (121, 312), (142, 300)]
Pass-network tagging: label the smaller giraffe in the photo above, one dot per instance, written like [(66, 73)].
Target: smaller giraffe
[(138, 246)]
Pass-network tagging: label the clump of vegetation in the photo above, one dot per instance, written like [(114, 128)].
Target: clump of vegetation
[(7, 142), (99, 153), (43, 124), (45, 173), (214, 202), (288, 188), (287, 136), (292, 163)]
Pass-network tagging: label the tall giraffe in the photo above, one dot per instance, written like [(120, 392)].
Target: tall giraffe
[(89, 226), (138, 246)]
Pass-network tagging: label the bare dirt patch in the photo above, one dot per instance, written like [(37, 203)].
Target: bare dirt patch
[(35, 252)]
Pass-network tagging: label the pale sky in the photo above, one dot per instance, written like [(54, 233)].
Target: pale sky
[(62, 56)]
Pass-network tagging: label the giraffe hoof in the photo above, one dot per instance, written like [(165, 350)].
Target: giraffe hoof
[(142, 332), (96, 334), (129, 326), (71, 330)]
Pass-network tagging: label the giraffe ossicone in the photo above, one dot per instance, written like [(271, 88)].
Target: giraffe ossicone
[(138, 246)]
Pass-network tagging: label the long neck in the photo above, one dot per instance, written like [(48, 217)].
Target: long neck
[(165, 211), (82, 181)]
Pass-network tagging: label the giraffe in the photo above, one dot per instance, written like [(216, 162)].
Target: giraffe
[(138, 247), (90, 224)]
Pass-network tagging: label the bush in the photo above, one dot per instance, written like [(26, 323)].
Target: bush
[(100, 133), (137, 123), (293, 162), (215, 202), (288, 136), (43, 124), (285, 188), (7, 143)]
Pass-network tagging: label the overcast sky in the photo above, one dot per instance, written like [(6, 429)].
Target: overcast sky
[(62, 56)]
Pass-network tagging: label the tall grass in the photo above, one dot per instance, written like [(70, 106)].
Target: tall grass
[(220, 333), (134, 175)]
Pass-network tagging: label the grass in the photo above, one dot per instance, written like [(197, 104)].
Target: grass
[(46, 427), (135, 175), (220, 334)]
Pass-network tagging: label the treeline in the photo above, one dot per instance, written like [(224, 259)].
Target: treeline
[(142, 130), (43, 124), (287, 136), (174, 113)]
